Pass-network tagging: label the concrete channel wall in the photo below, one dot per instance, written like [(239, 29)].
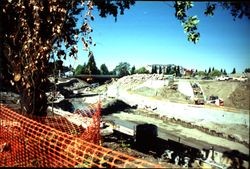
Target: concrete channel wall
[(186, 88), (209, 154)]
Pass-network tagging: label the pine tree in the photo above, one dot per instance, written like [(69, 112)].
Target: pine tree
[(209, 70), (247, 70), (91, 66), (160, 70), (224, 72), (168, 70), (154, 69), (104, 70), (234, 71), (178, 73), (132, 70)]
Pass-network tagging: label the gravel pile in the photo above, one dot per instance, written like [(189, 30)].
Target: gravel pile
[(134, 80)]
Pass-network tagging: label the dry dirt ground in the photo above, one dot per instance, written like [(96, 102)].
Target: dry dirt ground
[(235, 94)]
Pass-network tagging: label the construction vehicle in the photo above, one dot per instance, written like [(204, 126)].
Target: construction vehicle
[(199, 101), (215, 100)]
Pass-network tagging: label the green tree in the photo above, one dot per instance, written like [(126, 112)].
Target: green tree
[(178, 73), (173, 70), (91, 68), (224, 72), (104, 70), (153, 69), (84, 69), (247, 70), (160, 70), (201, 73), (215, 73), (122, 69), (142, 70), (209, 70), (112, 72), (234, 71), (132, 70), (78, 70), (168, 71)]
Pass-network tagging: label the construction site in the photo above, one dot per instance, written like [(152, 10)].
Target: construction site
[(135, 121)]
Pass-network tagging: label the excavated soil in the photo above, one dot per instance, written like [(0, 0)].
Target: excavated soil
[(235, 94)]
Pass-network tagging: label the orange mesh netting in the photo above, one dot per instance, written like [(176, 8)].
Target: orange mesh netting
[(88, 120), (56, 142)]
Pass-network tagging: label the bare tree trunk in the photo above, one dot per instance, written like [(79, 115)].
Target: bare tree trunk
[(33, 98), (37, 105)]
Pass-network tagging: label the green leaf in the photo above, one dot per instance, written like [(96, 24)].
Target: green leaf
[(210, 9), (189, 4)]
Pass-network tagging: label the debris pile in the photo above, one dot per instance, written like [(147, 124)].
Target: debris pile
[(136, 79)]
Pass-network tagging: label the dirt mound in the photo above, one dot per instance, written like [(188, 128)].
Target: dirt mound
[(165, 92), (239, 98), (172, 95), (128, 82), (235, 94), (152, 85)]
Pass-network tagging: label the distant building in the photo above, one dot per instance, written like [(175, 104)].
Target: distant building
[(188, 72), (149, 68), (166, 68), (158, 67)]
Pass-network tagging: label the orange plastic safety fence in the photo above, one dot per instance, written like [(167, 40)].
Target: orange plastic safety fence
[(28, 143), (90, 134)]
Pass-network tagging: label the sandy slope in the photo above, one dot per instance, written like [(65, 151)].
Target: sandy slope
[(235, 94)]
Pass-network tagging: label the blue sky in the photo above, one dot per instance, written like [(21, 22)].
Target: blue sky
[(149, 33)]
